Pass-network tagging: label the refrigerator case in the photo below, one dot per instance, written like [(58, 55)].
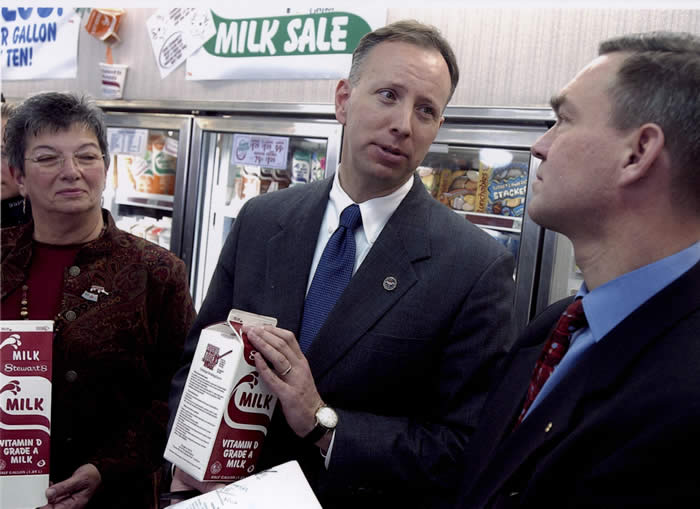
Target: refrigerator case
[(237, 157), (480, 167), (146, 181)]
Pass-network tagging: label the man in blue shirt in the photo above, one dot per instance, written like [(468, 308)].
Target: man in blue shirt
[(616, 420)]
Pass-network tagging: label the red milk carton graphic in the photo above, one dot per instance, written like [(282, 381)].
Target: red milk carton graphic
[(225, 410), (25, 412)]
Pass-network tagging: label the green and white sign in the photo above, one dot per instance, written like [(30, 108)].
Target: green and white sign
[(316, 44)]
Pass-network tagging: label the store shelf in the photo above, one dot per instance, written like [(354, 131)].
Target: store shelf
[(154, 201), (494, 221)]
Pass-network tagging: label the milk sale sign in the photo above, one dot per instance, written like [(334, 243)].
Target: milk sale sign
[(317, 43)]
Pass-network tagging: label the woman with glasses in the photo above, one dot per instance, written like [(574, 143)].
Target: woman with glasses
[(120, 304)]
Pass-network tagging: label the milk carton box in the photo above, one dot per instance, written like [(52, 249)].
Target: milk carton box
[(225, 409), (25, 412)]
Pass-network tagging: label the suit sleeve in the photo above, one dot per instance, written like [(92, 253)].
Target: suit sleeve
[(374, 451)]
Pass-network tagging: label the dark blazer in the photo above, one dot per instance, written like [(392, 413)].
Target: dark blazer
[(407, 370), (620, 430)]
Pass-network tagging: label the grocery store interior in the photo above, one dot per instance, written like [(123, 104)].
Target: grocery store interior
[(183, 187)]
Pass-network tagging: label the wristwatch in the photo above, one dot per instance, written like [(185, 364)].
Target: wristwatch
[(326, 420)]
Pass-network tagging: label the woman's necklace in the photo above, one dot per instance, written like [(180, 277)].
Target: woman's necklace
[(24, 304)]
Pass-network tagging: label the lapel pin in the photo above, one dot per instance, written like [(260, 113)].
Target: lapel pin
[(92, 297), (390, 283), (548, 428), (99, 290), (94, 293)]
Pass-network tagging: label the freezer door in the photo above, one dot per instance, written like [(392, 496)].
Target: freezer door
[(147, 177), (560, 277), (242, 157), (484, 173)]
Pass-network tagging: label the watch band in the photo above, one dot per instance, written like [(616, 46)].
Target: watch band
[(315, 434)]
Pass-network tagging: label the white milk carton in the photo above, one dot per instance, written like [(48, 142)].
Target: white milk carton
[(25, 412), (225, 409)]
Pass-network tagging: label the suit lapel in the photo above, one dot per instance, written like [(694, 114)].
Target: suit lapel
[(403, 240), (649, 322), (497, 445), (290, 253)]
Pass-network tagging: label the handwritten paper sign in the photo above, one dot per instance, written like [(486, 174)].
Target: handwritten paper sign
[(266, 151), (39, 43), (127, 141), (177, 33), (282, 486)]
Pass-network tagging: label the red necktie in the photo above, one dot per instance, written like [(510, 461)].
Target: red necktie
[(554, 349)]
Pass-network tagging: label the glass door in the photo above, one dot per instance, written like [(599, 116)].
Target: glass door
[(480, 167), (145, 190), (488, 186), (240, 158)]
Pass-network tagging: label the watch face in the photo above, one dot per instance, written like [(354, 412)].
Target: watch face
[(327, 417)]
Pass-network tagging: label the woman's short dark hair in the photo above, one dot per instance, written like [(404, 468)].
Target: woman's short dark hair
[(52, 112)]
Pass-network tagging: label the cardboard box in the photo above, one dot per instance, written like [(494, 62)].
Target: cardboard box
[(225, 409), (25, 412)]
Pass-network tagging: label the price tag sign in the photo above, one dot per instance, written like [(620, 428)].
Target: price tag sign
[(127, 141), (265, 151)]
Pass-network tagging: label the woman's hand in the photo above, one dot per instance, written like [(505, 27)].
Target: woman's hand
[(76, 491)]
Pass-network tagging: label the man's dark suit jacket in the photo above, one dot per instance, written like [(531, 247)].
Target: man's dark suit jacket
[(406, 369), (622, 429)]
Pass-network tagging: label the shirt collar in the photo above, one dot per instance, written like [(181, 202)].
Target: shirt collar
[(611, 303), (375, 212)]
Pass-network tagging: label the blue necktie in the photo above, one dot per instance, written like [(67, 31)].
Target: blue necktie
[(332, 276)]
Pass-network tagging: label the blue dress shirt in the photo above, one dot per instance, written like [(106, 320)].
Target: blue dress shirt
[(609, 304)]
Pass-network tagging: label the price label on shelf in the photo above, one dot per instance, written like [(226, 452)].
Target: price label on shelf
[(265, 151)]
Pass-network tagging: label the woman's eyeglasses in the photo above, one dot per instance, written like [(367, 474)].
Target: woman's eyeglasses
[(83, 161)]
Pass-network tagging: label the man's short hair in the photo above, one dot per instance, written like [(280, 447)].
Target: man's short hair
[(409, 31), (51, 112), (659, 82)]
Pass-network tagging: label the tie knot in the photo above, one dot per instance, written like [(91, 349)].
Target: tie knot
[(351, 218), (574, 315)]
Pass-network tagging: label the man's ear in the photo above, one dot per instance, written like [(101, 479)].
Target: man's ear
[(645, 146), (342, 94)]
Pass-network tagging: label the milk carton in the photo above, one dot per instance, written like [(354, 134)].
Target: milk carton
[(25, 412), (225, 409)]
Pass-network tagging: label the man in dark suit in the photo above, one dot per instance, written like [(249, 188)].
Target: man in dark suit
[(617, 423), (382, 403)]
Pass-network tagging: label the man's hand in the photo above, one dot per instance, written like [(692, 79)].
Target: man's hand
[(182, 481), (76, 491), (289, 377)]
